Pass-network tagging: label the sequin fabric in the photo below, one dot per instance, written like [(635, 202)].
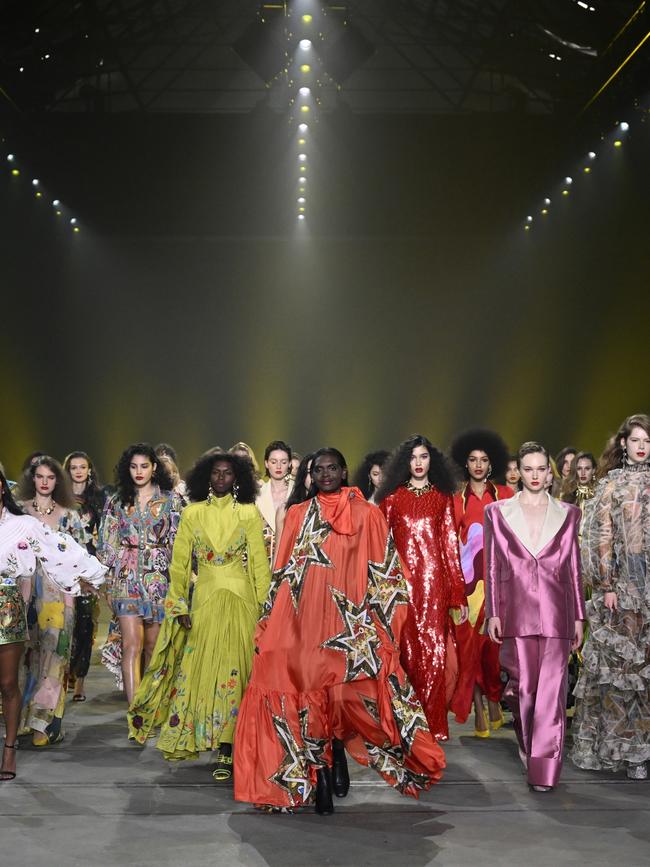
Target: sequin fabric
[(425, 535)]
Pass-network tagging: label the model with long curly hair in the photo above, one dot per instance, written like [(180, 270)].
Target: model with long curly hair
[(202, 660), (46, 492), (610, 727), (136, 536), (480, 455), (416, 498), (370, 473)]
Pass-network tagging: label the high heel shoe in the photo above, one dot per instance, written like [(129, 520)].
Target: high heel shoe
[(495, 724), (7, 776), (324, 803), (340, 773)]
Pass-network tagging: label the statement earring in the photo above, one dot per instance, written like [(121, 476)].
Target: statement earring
[(235, 491), (210, 495), (489, 473)]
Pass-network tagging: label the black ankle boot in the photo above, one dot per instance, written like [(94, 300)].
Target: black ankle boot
[(340, 775), (324, 804)]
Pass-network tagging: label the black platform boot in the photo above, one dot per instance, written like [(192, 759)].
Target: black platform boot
[(324, 804), (340, 775)]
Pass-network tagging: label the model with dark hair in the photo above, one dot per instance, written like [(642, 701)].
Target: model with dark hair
[(243, 450), (610, 727), (45, 491), (167, 454), (370, 474), (299, 493), (25, 544), (326, 673), (480, 455), (274, 491), (193, 686), (90, 498), (136, 536), (535, 610), (512, 475), (416, 498)]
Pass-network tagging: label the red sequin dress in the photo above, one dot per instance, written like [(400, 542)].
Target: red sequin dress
[(422, 522)]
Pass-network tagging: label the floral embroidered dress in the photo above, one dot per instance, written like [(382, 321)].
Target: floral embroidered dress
[(611, 726), (51, 620), (136, 544), (327, 662), (25, 546), (194, 684)]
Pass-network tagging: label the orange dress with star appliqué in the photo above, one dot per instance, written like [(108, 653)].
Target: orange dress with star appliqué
[(327, 661)]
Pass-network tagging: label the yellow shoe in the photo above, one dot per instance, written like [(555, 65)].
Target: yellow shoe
[(495, 725), (478, 733)]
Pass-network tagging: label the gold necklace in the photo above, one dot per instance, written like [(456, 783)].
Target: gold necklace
[(47, 511), (418, 491)]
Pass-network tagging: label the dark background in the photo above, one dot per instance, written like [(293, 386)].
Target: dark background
[(191, 308)]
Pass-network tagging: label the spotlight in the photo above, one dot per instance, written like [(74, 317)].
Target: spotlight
[(301, 189), (76, 229), (302, 180), (304, 91), (35, 182), (301, 200), (302, 141), (303, 127), (618, 143), (301, 216), (547, 201), (527, 228), (305, 44), (307, 19), (10, 158), (302, 157), (73, 221), (587, 170), (305, 68), (39, 195), (529, 219), (56, 203), (15, 172), (565, 192), (624, 126), (301, 210), (58, 213), (544, 211), (304, 109), (568, 181), (592, 155)]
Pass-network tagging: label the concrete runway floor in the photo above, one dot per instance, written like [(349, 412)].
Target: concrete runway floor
[(97, 800)]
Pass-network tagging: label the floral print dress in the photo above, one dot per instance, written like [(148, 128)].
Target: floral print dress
[(195, 681)]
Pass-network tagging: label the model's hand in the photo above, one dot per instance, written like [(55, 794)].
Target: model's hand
[(494, 630), (185, 621), (579, 635), (611, 601), (463, 612)]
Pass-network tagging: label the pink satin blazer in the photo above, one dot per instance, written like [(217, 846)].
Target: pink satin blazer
[(534, 590)]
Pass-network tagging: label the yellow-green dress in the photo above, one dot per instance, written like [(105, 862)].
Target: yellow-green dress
[(194, 684)]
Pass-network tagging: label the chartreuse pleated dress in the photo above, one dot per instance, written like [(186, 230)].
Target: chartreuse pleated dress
[(194, 684)]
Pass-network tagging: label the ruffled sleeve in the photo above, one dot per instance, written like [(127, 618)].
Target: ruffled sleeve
[(63, 560)]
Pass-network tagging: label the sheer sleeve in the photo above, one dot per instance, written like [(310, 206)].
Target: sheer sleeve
[(598, 558), (180, 570), (63, 560)]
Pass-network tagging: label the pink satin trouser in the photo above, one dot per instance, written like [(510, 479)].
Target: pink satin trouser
[(536, 694)]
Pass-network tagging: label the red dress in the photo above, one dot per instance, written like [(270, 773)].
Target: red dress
[(478, 657), (425, 535), (327, 661)]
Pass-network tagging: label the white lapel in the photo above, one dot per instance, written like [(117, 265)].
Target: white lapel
[(264, 503), (515, 518)]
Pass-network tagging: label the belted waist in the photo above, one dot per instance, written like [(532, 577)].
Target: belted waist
[(139, 545)]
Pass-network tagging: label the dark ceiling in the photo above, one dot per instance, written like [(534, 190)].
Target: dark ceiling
[(377, 56)]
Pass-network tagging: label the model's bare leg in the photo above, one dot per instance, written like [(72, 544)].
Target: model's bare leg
[(151, 631), (132, 630), (10, 655), (480, 720)]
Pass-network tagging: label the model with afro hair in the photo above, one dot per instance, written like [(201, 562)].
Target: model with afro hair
[(480, 454)]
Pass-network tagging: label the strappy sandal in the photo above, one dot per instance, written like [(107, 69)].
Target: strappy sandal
[(223, 772), (7, 776)]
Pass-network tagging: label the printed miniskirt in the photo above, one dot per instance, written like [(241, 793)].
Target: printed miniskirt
[(13, 615)]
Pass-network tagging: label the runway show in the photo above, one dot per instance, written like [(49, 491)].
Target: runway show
[(325, 433)]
